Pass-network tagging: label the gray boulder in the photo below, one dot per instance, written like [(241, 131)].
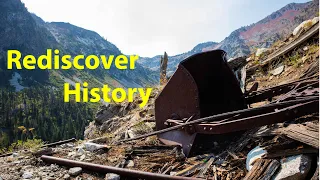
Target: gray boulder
[(294, 168), (112, 176), (27, 175), (75, 171)]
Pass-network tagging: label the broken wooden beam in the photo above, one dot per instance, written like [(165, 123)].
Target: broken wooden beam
[(262, 169), (307, 132)]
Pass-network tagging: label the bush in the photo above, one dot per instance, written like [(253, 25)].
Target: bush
[(294, 60), (29, 144)]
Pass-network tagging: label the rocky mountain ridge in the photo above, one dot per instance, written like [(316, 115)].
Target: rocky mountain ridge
[(246, 40)]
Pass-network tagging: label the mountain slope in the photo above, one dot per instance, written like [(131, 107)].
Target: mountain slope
[(244, 40), (76, 40), (277, 25), (31, 35), (19, 31)]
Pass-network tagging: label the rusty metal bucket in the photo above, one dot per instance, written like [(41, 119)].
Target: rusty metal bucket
[(203, 85)]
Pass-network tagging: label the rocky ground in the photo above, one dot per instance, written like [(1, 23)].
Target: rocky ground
[(256, 153)]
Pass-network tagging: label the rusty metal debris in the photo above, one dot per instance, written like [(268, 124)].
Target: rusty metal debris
[(205, 100), (301, 84), (190, 91), (228, 116), (222, 110), (109, 169)]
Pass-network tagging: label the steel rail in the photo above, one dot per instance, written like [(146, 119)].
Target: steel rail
[(223, 116), (273, 117), (109, 169)]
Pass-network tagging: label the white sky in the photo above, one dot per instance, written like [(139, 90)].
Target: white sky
[(150, 27)]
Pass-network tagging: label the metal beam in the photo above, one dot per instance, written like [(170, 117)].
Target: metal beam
[(109, 169)]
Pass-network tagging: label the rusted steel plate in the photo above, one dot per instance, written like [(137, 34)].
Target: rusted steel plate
[(203, 85), (179, 137), (179, 99), (219, 90)]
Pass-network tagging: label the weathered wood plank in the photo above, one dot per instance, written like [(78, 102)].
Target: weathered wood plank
[(262, 169), (307, 133)]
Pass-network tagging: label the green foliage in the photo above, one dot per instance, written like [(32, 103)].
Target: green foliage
[(141, 128), (30, 144), (313, 49), (294, 60), (41, 113)]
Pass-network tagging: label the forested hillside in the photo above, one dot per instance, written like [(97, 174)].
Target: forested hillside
[(40, 112)]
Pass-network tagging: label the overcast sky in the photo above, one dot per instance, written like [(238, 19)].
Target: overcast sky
[(150, 27)]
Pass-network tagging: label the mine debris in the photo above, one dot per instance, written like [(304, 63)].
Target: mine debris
[(307, 132), (270, 132), (248, 118), (262, 169)]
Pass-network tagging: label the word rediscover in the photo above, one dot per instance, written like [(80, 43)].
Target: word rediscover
[(53, 61), (117, 94)]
